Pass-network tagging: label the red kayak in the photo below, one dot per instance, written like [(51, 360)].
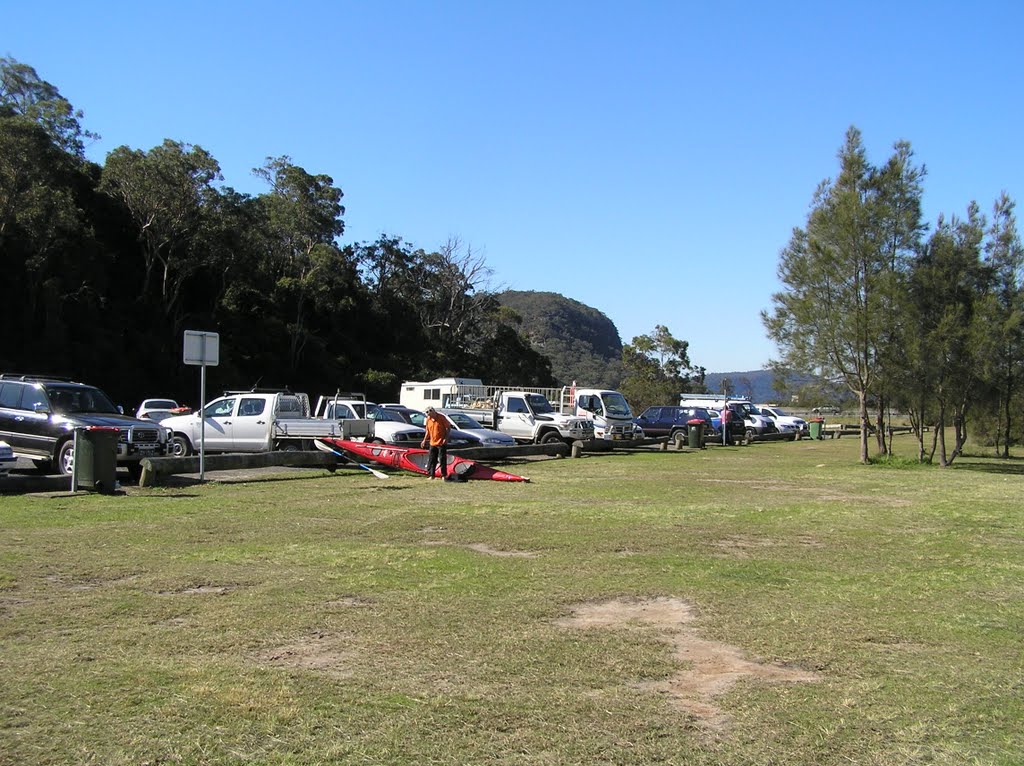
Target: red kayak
[(415, 460)]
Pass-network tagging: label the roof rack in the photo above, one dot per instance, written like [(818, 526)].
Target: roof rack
[(255, 390), (20, 376)]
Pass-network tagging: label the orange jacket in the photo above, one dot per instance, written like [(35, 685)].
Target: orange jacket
[(437, 430)]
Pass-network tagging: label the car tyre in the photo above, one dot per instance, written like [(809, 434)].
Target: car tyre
[(180, 446), (66, 457), (551, 437)]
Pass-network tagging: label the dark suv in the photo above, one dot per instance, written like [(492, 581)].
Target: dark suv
[(39, 415), (671, 420)]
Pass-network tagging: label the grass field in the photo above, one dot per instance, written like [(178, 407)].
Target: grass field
[(770, 604)]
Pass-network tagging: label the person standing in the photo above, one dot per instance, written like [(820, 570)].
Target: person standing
[(437, 426)]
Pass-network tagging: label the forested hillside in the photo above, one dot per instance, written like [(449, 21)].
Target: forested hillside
[(104, 267), (582, 343)]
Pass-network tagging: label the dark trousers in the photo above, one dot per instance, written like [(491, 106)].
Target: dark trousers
[(435, 454)]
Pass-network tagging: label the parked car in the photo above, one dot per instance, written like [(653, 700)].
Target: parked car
[(486, 437), (737, 431), (785, 423), (154, 409), (671, 420), (456, 437), (39, 415), (389, 427), (829, 409), (7, 458)]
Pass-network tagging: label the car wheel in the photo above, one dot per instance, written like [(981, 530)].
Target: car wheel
[(181, 446), (551, 437), (376, 440), (66, 457)]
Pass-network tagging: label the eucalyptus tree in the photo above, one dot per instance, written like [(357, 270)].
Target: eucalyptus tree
[(455, 300), (49, 255), (24, 93), (833, 316), (300, 221), (657, 369), (167, 192)]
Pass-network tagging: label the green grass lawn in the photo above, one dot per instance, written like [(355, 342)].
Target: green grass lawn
[(770, 604)]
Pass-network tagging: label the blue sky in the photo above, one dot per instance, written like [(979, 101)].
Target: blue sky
[(614, 153)]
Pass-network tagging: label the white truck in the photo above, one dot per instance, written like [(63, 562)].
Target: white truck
[(257, 421), (755, 424), (526, 414), (385, 427), (608, 410)]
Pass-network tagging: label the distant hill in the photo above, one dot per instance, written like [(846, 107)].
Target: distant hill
[(582, 343), (757, 384)]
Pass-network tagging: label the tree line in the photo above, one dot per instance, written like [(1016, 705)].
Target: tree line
[(925, 321), (105, 266)]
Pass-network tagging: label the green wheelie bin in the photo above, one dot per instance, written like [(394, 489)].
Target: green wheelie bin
[(816, 425), (695, 433), (95, 465)]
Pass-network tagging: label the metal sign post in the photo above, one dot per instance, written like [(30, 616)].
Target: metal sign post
[(203, 349)]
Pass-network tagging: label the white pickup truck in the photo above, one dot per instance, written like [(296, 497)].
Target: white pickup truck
[(257, 421), (386, 426), (525, 414)]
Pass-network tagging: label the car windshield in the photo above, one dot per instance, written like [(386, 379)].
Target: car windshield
[(159, 404), (615, 405), (70, 399), (539, 404), (462, 420), (383, 414)]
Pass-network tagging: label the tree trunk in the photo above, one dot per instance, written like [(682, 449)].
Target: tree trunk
[(880, 427), (862, 399)]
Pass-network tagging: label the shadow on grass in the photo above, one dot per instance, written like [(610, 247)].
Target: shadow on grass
[(1012, 466)]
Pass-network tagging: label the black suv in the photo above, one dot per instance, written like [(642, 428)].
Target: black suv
[(671, 420), (39, 415)]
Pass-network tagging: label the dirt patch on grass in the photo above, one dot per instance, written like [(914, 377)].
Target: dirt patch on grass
[(485, 549), (352, 601), (318, 651), (489, 551), (888, 501), (709, 668), (201, 590), (741, 546)]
